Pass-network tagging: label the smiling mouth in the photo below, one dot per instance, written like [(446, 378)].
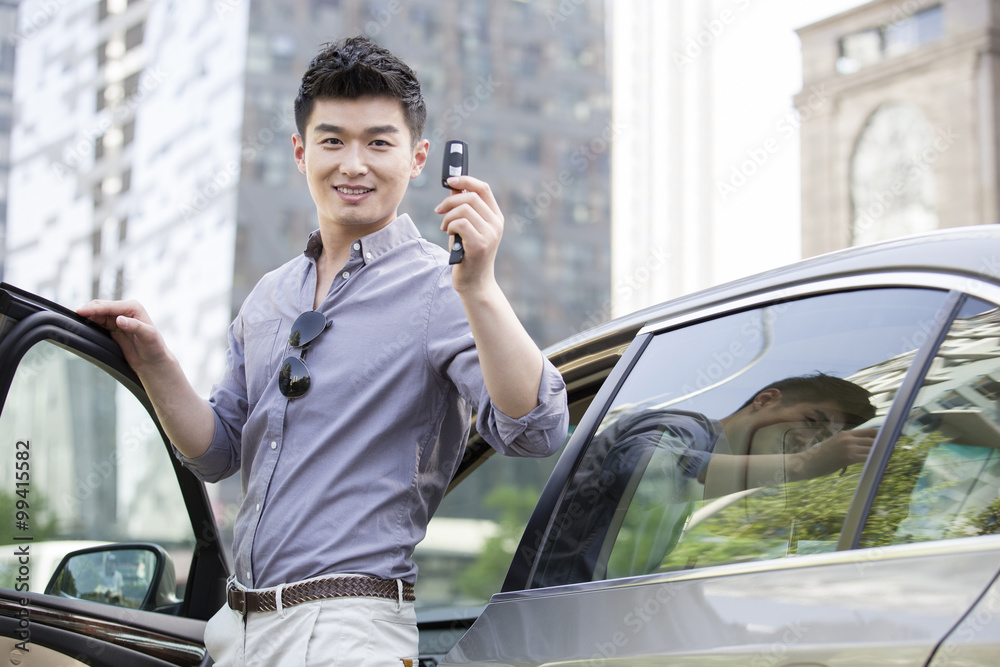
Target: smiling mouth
[(354, 191)]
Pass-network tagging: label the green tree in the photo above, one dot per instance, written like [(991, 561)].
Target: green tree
[(988, 521), (514, 505)]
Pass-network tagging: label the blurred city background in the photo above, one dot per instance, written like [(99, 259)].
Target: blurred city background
[(640, 149)]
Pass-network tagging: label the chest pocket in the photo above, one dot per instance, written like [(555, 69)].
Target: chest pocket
[(259, 349)]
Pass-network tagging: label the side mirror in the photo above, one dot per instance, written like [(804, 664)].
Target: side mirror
[(132, 575)]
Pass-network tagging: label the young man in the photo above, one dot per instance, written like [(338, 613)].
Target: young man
[(352, 374)]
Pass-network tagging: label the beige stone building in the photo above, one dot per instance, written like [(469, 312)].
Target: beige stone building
[(899, 121)]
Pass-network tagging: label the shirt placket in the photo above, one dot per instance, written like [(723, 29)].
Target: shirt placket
[(272, 441), (275, 437)]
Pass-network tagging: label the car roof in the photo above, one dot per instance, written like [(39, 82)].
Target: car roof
[(969, 251)]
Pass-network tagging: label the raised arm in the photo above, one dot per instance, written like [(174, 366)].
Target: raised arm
[(186, 417), (728, 473), (510, 360)]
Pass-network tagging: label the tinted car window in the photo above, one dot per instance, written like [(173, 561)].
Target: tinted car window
[(82, 464), (943, 480), (643, 497)]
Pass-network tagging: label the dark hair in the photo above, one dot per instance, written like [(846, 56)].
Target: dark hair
[(357, 67), (853, 399)]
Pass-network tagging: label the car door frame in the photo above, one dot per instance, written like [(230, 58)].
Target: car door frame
[(59, 623)]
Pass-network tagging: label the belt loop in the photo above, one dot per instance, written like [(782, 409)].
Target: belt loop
[(399, 594), (277, 600)]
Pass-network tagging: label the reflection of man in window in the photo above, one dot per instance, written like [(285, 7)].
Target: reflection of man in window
[(654, 464), (797, 428)]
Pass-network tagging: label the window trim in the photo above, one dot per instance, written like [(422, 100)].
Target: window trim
[(857, 557), (941, 282)]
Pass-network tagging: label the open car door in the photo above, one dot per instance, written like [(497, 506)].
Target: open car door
[(110, 553)]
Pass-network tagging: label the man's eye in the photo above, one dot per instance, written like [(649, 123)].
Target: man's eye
[(381, 143)]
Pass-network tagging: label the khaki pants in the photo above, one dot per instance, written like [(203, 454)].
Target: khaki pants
[(355, 632)]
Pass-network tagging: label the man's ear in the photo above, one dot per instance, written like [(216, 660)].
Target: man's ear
[(299, 152), (420, 152), (770, 396)]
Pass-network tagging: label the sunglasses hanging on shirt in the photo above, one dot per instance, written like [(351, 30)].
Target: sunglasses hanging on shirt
[(293, 377)]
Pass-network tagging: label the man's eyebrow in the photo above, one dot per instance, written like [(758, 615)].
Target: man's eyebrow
[(375, 129), (382, 129)]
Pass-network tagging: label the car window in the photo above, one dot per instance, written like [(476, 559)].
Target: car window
[(473, 535), (82, 463), (665, 485), (943, 479)]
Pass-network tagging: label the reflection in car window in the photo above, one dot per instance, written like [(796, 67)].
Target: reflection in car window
[(699, 462), (943, 480), (86, 464)]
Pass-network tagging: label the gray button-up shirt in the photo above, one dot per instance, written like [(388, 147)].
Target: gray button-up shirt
[(345, 478)]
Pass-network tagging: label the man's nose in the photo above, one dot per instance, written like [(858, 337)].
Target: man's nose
[(353, 162)]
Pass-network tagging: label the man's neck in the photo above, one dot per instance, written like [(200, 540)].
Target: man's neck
[(337, 240)]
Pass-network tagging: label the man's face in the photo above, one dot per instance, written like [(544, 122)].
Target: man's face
[(781, 427), (358, 159)]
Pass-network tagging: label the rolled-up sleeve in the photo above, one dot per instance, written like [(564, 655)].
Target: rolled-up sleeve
[(452, 353), (540, 432), (219, 461)]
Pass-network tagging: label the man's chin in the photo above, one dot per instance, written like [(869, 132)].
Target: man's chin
[(363, 221)]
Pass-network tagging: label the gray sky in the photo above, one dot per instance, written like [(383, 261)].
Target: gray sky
[(758, 70)]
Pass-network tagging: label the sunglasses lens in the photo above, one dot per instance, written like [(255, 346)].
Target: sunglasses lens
[(306, 327), (293, 378)]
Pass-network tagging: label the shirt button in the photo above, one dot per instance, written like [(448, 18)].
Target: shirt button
[(368, 256), (248, 577), (357, 246), (258, 507), (345, 275), (274, 445)]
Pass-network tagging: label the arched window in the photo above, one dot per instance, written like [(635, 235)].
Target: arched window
[(893, 190)]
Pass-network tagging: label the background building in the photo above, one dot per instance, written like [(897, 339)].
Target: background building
[(8, 43), (899, 121), (525, 84), (151, 153), (663, 202)]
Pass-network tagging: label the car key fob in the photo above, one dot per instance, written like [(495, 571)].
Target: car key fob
[(456, 163)]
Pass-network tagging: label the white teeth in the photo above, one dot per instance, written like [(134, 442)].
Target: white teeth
[(354, 191)]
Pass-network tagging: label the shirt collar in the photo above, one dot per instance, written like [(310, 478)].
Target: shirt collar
[(371, 247)]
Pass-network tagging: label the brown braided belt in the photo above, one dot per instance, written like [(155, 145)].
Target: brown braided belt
[(245, 601)]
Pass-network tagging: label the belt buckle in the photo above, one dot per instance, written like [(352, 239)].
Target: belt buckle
[(236, 599)]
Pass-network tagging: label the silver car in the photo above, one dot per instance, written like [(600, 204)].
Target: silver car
[(839, 536), (637, 553)]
